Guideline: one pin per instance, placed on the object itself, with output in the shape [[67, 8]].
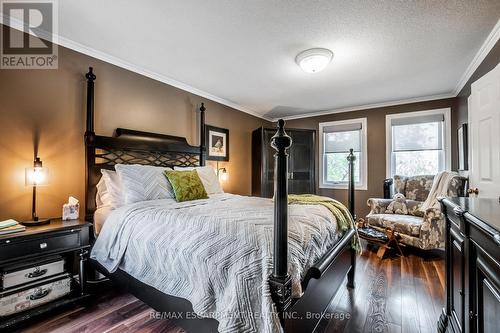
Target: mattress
[[217, 253], [100, 216]]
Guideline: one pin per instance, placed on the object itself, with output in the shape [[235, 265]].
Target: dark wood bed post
[[350, 199], [350, 187], [202, 135], [89, 141], [280, 282]]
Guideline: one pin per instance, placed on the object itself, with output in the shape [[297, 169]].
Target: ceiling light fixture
[[314, 60]]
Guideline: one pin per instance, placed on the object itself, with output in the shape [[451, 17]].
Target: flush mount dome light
[[314, 60]]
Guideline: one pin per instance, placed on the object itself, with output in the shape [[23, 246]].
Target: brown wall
[[489, 62], [376, 145], [50, 105]]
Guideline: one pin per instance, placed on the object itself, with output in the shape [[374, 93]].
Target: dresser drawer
[[455, 216], [50, 243]]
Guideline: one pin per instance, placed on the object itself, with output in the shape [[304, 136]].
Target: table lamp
[[36, 176]]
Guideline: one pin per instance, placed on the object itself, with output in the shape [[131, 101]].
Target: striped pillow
[[143, 182]]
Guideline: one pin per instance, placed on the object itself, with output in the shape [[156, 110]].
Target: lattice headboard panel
[[109, 157]]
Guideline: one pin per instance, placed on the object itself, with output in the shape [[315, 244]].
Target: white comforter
[[216, 253]]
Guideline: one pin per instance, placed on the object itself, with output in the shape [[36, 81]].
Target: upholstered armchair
[[424, 230]]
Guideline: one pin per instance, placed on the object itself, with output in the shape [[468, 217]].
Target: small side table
[[69, 239]]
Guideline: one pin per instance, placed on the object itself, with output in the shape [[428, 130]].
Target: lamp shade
[[223, 175], [37, 175]]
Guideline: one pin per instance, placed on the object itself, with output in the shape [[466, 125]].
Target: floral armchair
[[420, 229]]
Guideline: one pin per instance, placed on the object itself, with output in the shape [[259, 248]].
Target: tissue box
[[71, 210]]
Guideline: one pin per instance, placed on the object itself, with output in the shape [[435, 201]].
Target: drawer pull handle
[[43, 245], [497, 239], [36, 273], [458, 211], [39, 293]]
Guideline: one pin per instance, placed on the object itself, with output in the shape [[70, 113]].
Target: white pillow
[[101, 187], [109, 190], [208, 177], [143, 182]]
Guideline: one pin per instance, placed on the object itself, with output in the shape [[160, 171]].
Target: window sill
[[343, 187]]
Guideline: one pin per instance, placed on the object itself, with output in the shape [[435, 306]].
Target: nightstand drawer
[[53, 242]]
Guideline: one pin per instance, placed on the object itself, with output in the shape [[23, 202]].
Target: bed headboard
[[132, 147]]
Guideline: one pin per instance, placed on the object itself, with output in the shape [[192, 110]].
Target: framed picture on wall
[[217, 141], [462, 148]]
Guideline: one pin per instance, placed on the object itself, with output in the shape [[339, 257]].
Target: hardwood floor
[[398, 294], [111, 312]]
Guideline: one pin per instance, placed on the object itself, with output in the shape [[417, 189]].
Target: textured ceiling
[[243, 51]]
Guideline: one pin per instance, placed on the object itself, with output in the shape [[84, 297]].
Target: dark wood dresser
[[301, 166], [472, 265]]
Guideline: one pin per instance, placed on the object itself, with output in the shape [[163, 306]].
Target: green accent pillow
[[187, 185]]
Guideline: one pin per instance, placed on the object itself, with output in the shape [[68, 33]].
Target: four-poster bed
[[319, 283]]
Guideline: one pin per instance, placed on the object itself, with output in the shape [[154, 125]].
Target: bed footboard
[[322, 283], [318, 270]]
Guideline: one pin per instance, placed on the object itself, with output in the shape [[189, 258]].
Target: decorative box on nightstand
[[41, 269]]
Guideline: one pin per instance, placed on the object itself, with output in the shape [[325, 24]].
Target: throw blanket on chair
[[439, 188], [344, 219]]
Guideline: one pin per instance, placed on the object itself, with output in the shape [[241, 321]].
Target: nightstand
[[64, 240]]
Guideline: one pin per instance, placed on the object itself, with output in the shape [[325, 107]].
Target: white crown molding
[[75, 46], [367, 106], [483, 51]]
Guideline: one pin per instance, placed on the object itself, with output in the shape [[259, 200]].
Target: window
[[417, 143], [336, 138]]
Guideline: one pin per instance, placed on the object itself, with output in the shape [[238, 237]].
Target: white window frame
[[446, 112], [363, 183]]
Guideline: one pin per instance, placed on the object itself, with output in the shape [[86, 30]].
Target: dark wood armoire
[[301, 166]]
